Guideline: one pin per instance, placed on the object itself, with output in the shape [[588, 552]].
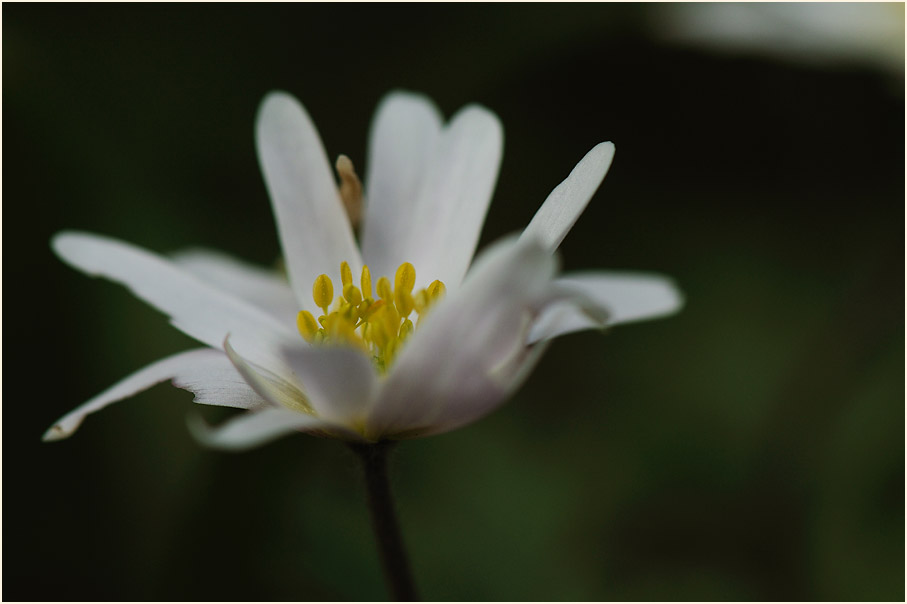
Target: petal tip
[[275, 109], [603, 154], [275, 98], [480, 117], [403, 95], [56, 432], [679, 301], [62, 243], [606, 148], [75, 248]]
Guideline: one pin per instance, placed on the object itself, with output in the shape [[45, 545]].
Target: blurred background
[[749, 448]]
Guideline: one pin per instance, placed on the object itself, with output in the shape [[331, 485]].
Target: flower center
[[378, 326]]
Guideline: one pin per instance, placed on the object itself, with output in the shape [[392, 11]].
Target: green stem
[[384, 521]]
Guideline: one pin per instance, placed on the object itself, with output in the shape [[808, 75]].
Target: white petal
[[215, 381], [314, 230], [566, 202], [626, 296], [196, 308], [453, 199], [338, 381], [254, 428], [459, 363], [277, 390], [267, 289], [200, 370], [403, 140]]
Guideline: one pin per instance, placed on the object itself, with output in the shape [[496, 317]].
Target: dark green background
[[749, 448]]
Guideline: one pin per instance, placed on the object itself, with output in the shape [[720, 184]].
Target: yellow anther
[[384, 289], [404, 302], [386, 322], [377, 326], [307, 325], [338, 328], [323, 292], [370, 309], [421, 300], [406, 329], [405, 278], [436, 290], [346, 275], [351, 294], [391, 318], [366, 282], [349, 312], [332, 324]]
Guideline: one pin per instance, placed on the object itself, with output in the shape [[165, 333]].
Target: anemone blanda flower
[[419, 338]]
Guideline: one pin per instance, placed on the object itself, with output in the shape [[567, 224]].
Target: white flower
[[869, 33], [369, 371]]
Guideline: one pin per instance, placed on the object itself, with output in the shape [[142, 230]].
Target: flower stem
[[384, 521]]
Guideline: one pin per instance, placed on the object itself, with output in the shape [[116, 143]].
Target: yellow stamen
[[405, 278], [323, 292], [406, 329], [352, 295], [421, 300], [436, 290], [404, 301], [372, 307], [384, 289], [391, 352], [307, 325], [346, 275], [366, 282], [380, 327]]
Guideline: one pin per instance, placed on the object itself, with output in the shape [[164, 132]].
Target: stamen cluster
[[378, 326]]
